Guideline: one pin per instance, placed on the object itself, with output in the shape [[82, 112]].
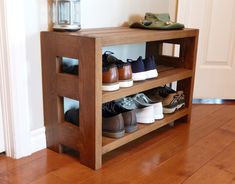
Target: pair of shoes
[[143, 69], [72, 116], [116, 73], [172, 100], [118, 117], [147, 110]]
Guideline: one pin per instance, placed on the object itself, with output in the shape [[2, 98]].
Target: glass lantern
[[66, 15]]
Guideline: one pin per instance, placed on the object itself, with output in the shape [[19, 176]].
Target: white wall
[[36, 20], [2, 144], [106, 13], [102, 13]]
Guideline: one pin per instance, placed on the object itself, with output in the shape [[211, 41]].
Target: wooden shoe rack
[[86, 46]]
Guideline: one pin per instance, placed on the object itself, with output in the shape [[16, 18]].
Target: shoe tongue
[[142, 97]]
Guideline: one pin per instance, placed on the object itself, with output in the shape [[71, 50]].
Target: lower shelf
[[109, 144]]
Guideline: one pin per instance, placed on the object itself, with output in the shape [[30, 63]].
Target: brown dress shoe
[[125, 75], [130, 123], [110, 78], [113, 126], [124, 69]]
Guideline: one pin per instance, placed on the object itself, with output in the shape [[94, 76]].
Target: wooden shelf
[[166, 75], [109, 144], [86, 45], [125, 35]]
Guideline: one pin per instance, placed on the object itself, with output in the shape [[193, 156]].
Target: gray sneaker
[[125, 104], [142, 100]]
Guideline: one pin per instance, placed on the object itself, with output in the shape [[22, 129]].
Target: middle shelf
[[166, 75]]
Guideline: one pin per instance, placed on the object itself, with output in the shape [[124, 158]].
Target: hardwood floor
[[196, 153]]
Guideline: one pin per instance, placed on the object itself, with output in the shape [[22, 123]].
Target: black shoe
[[72, 116], [70, 69]]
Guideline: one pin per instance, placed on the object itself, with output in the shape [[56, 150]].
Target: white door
[[2, 146], [215, 72]]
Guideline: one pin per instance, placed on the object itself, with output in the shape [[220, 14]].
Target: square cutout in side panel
[[67, 65], [71, 111], [169, 49]]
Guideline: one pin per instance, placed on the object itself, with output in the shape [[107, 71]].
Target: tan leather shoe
[[124, 69], [110, 78], [125, 75]]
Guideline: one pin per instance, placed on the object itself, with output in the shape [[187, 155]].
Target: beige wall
[[102, 13]]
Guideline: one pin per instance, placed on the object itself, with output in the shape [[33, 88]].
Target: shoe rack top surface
[[124, 35]]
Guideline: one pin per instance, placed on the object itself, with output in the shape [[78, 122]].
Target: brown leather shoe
[[110, 78], [130, 123], [125, 75], [124, 68], [113, 126]]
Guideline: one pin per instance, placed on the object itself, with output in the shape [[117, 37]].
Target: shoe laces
[[127, 102], [109, 107]]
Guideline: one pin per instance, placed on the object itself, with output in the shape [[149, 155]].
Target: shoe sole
[[172, 110], [139, 76], [151, 74], [130, 129], [158, 116], [126, 83], [110, 87], [115, 135]]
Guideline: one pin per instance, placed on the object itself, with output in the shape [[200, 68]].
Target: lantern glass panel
[[64, 12], [66, 15], [76, 13]]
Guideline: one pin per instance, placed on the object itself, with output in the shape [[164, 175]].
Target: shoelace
[[127, 102], [109, 107]]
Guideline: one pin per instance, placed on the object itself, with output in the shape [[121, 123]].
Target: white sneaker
[[145, 115], [158, 111]]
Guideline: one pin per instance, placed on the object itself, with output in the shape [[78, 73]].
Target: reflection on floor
[[200, 152]]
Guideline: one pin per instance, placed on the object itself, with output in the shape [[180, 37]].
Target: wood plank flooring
[[202, 152]]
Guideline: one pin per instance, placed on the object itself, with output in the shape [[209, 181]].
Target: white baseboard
[[38, 139]]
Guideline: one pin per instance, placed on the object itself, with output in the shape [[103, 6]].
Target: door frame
[[13, 79]]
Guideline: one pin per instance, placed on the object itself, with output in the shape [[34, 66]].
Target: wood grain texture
[[164, 77], [86, 46], [111, 144], [187, 153]]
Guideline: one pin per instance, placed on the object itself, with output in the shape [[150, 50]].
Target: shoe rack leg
[[90, 98], [49, 91], [187, 85]]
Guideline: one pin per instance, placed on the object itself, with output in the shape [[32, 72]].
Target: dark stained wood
[[90, 93], [189, 62], [86, 46], [86, 88], [49, 67], [67, 85]]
